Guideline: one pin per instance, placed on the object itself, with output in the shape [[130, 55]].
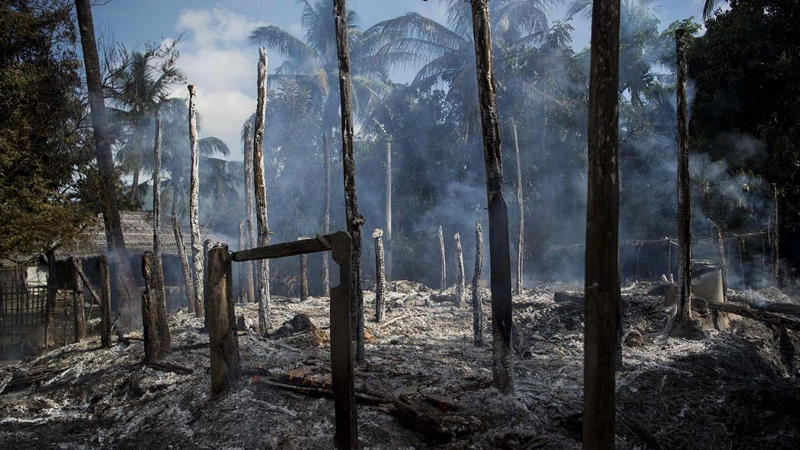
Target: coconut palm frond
[[212, 145], [283, 42]]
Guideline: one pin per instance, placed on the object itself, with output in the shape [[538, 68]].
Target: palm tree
[[445, 54], [709, 7], [313, 65], [139, 85]]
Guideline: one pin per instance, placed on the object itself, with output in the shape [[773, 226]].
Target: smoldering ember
[[479, 224]]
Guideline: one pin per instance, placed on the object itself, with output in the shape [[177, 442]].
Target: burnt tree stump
[[226, 364], [443, 280], [460, 281], [477, 314], [157, 340]]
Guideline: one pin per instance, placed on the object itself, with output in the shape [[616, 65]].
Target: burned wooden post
[[460, 281], [388, 240], [188, 286], [477, 314], [156, 188], [342, 361], [684, 307], [443, 264], [207, 244], [303, 273], [79, 322], [242, 294], [264, 320], [194, 217], [716, 232], [499, 251], [250, 208], [354, 219], [521, 204], [326, 268], [226, 364], [602, 231], [157, 340], [105, 303], [380, 276], [741, 260], [52, 292], [774, 233]]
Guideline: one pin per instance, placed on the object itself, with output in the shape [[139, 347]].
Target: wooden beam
[[301, 247]]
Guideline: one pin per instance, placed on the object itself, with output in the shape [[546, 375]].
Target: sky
[[216, 57]]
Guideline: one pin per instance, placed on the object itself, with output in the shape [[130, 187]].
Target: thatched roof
[[137, 229]]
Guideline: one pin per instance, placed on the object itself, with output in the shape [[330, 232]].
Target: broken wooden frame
[[342, 365]]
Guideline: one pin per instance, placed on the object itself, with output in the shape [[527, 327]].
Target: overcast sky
[[218, 60]]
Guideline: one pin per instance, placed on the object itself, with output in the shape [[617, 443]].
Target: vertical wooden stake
[[194, 219], [521, 204], [264, 320], [250, 208], [380, 276], [443, 277], [342, 364], [388, 240], [223, 342], [105, 303], [460, 281], [477, 314], [206, 248], [326, 268], [52, 292], [79, 322]]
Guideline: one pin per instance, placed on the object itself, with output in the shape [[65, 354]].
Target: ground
[[424, 384]]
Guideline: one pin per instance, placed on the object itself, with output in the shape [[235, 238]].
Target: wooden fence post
[[346, 436], [105, 304], [226, 365], [380, 276], [79, 322]]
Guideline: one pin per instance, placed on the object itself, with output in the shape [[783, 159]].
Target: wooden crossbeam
[[301, 247]]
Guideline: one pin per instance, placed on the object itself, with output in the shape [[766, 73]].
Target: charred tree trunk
[[79, 321], [460, 281], [206, 248], [716, 231], [134, 190], [264, 320], [194, 218], [326, 261], [388, 240], [250, 266], [499, 251], [684, 306], [105, 304], [124, 283], [243, 280], [741, 261], [156, 187], [187, 273], [443, 279], [380, 276], [477, 314], [354, 219], [774, 233], [520, 203], [602, 231], [303, 273], [226, 364], [157, 340], [52, 292]]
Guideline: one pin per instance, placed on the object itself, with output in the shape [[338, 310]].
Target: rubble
[[423, 383]]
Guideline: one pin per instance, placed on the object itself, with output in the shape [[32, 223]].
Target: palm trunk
[[194, 217], [521, 240], [124, 285], [326, 263], [477, 314], [499, 251], [683, 312], [354, 219], [188, 287], [602, 231], [156, 186], [388, 239], [460, 281], [243, 278], [264, 320], [443, 262], [249, 207]]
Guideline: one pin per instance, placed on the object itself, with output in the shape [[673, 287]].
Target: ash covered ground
[[423, 384]]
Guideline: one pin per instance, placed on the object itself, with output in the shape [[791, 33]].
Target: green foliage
[[41, 149]]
